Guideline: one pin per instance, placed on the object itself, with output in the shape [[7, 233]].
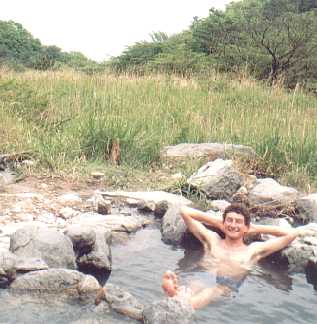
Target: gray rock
[[123, 302], [146, 196], [99, 259], [83, 238], [307, 209], [219, 205], [168, 311], [269, 192], [30, 264], [217, 179], [56, 281], [212, 151], [7, 266], [53, 247], [173, 227], [303, 249], [117, 223]]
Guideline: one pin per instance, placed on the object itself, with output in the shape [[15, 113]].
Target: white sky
[[103, 28]]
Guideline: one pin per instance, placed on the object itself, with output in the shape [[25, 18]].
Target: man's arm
[[194, 218], [202, 217], [285, 237]]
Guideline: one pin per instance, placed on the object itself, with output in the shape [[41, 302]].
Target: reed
[[70, 118]]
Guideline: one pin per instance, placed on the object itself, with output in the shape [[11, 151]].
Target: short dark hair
[[239, 209]]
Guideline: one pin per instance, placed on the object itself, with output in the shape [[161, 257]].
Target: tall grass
[[68, 117]]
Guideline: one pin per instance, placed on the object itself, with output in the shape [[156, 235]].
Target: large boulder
[[56, 281], [168, 311], [211, 151], [217, 179], [55, 248], [307, 209], [83, 238], [270, 193], [173, 227]]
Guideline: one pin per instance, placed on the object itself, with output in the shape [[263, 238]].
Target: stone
[[83, 238], [173, 227], [306, 209], [99, 258], [211, 151], [67, 213], [168, 311], [267, 191], [161, 208], [152, 196], [123, 302], [7, 266], [69, 199], [55, 248], [219, 205], [30, 264], [104, 206], [56, 281], [113, 222], [217, 179]]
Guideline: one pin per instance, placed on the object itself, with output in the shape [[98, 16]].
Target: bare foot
[[169, 283]]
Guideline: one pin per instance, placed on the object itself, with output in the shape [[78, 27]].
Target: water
[[269, 294]]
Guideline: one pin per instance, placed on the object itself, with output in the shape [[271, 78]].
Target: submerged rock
[[217, 179], [53, 247], [123, 302], [168, 311]]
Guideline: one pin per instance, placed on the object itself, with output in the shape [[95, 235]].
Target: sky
[[103, 28]]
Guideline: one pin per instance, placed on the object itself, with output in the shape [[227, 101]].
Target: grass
[[70, 120]]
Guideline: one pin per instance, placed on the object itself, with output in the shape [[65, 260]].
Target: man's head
[[236, 220]]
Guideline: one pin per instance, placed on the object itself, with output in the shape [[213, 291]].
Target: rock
[[211, 151], [67, 213], [168, 311], [306, 209], [53, 247], [57, 281], [123, 302], [152, 196], [311, 271], [219, 205], [117, 223], [298, 255], [103, 207], [147, 206], [217, 179], [160, 209], [269, 192], [83, 238], [99, 258], [69, 199], [97, 175], [173, 227], [30, 264], [7, 266]]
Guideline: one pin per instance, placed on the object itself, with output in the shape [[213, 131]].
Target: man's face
[[234, 225]]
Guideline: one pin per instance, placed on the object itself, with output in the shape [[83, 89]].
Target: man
[[228, 258]]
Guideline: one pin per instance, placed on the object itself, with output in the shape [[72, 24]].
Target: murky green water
[[268, 295]]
